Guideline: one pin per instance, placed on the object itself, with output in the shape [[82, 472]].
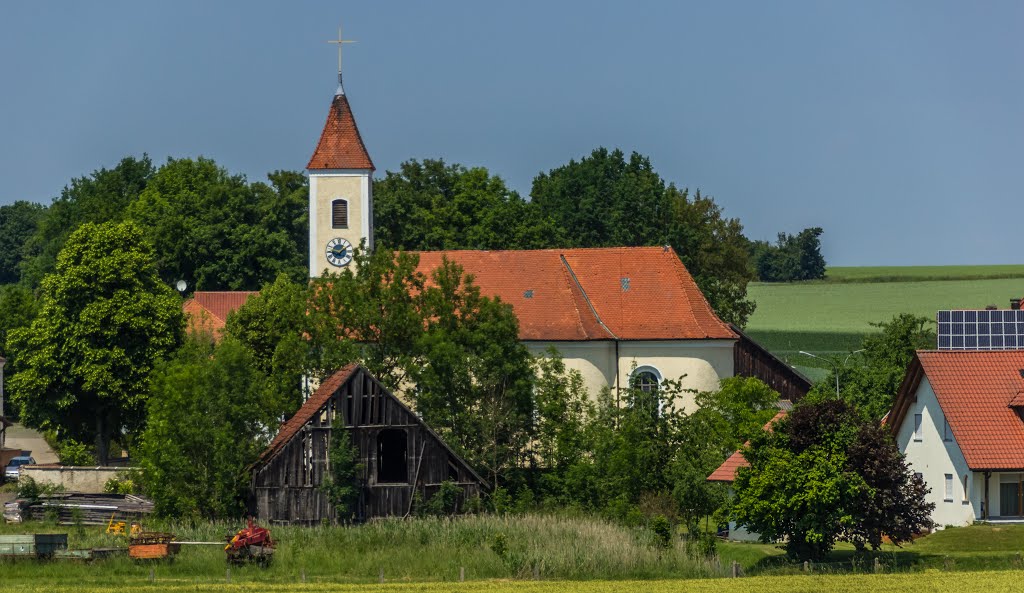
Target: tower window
[[339, 214]]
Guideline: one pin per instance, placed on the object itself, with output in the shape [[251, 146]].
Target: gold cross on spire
[[340, 41]]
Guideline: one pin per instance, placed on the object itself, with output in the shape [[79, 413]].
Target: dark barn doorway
[[392, 457]]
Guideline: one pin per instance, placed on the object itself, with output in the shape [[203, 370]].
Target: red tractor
[[252, 544]]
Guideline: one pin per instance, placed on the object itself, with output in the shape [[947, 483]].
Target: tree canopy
[[825, 474], [208, 420], [104, 320], [790, 258]]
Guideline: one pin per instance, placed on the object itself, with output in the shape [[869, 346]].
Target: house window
[[917, 427], [966, 484], [949, 487], [947, 432], [392, 457], [339, 214]]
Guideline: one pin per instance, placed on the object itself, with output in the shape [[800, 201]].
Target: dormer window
[[339, 214]]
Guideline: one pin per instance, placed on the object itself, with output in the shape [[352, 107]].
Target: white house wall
[[933, 458]]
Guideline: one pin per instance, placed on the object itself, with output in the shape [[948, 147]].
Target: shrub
[[71, 452]]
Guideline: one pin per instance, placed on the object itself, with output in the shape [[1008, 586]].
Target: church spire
[[340, 41]]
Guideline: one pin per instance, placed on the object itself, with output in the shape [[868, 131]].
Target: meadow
[[831, 317], [533, 552]]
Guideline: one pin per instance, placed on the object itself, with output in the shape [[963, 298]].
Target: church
[[619, 316]]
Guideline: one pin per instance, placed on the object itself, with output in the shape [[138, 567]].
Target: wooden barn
[[399, 453]]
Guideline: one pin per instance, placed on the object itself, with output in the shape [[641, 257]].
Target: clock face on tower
[[339, 252]]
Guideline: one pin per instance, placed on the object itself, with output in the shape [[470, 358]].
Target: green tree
[[103, 196], [605, 200], [208, 420], [870, 381], [455, 353], [818, 478], [792, 258], [18, 223], [429, 205], [723, 421], [105, 318], [271, 324], [563, 409], [219, 232], [342, 482]]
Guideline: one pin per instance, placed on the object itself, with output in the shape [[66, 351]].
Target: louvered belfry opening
[[339, 214]]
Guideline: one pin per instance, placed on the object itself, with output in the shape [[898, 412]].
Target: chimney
[[1015, 304]]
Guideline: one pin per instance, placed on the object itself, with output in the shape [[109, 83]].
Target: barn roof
[[625, 293], [312, 406], [980, 393]]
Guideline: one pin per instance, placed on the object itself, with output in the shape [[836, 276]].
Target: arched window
[[392, 457], [339, 214], [646, 379]]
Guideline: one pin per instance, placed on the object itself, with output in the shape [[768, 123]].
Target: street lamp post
[[835, 366]]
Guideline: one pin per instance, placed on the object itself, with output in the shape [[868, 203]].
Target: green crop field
[[988, 581], [921, 273], [832, 317]]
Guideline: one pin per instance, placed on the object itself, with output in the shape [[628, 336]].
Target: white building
[[958, 419]]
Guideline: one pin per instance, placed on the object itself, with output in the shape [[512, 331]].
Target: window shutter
[[339, 214]]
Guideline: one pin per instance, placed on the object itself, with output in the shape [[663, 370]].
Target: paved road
[[19, 437]]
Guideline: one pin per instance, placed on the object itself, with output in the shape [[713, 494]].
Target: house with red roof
[[207, 311], [959, 419], [726, 474]]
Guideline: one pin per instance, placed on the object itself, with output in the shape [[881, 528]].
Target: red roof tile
[[975, 390], [209, 310], [309, 409], [340, 146], [727, 471], [629, 293]]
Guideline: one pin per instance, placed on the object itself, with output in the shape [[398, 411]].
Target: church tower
[[340, 190]]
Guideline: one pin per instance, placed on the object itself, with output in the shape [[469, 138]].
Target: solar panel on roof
[[1001, 329]]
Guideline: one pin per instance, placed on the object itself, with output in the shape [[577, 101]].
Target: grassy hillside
[[831, 317]]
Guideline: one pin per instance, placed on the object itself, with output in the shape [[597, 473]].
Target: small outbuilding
[[399, 453]]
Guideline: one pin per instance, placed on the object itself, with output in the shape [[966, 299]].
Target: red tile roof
[[629, 293], [727, 471], [308, 409], [208, 310], [340, 146], [975, 390]]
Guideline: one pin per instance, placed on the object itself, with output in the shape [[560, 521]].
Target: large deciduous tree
[[825, 474], [217, 231], [208, 419], [103, 196], [605, 200], [18, 223], [429, 205], [105, 318], [791, 258]]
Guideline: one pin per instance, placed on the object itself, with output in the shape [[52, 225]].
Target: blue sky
[[896, 126]]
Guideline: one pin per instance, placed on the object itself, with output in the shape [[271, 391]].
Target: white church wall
[[325, 186], [700, 363]]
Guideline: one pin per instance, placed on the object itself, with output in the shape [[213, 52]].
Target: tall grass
[[429, 549]]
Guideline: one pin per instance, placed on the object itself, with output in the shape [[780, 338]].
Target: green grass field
[[572, 555], [831, 318], [990, 582]]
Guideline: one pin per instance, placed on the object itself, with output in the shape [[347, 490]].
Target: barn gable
[[399, 453]]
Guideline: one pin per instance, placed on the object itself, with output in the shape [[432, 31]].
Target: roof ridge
[[586, 298]]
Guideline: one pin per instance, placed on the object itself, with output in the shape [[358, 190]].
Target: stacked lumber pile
[[85, 509]]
